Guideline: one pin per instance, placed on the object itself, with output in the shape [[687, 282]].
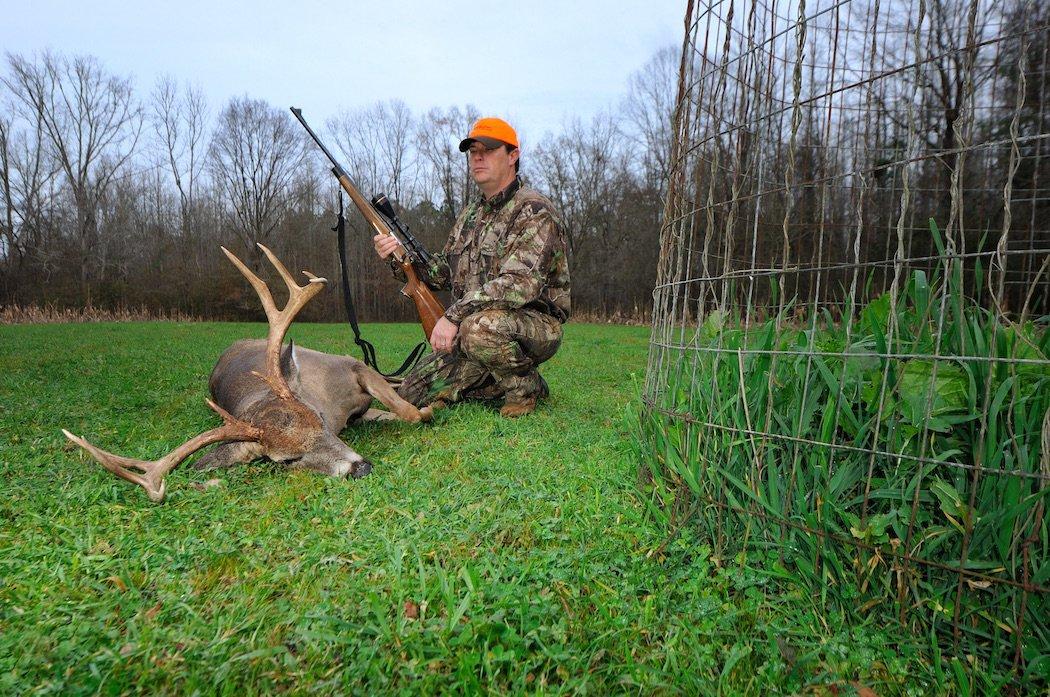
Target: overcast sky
[[537, 63]]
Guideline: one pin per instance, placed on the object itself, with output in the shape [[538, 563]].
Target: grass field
[[480, 556]]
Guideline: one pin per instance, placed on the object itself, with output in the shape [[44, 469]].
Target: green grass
[[480, 556]]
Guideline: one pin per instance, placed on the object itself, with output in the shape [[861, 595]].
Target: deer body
[[284, 403], [336, 389]]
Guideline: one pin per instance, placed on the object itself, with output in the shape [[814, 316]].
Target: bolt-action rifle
[[380, 214]]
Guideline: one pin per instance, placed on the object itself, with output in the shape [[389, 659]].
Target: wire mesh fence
[[848, 371]]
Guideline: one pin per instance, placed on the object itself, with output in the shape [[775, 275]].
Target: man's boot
[[544, 390], [513, 410]]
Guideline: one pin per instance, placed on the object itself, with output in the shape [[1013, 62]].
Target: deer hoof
[[360, 469]]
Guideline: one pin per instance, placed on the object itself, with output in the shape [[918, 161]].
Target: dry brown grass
[[635, 317], [49, 314]]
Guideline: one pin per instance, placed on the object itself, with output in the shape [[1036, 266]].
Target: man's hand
[[385, 245], [444, 335]]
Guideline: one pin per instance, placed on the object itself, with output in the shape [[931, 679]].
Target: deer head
[[285, 429]]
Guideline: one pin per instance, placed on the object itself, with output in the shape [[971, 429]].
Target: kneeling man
[[505, 263]]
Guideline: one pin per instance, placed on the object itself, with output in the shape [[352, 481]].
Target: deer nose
[[360, 469]]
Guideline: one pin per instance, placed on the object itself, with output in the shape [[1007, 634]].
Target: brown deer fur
[[284, 403]]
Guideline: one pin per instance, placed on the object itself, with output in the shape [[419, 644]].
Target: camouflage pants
[[495, 355]]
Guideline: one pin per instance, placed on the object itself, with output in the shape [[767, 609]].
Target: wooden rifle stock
[[427, 305]]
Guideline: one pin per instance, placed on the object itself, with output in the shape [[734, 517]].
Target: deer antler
[[279, 320], [153, 472], [150, 474]]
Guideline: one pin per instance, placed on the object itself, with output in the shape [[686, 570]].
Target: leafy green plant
[[892, 459]]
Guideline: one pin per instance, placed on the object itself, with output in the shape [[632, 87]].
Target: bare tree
[[377, 142], [606, 212], [179, 120], [648, 111], [26, 189], [255, 158], [7, 224], [581, 170], [443, 167], [91, 122]]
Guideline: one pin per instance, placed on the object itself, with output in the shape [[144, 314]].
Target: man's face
[[493, 168]]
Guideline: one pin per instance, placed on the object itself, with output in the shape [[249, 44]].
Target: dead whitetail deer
[[288, 405]]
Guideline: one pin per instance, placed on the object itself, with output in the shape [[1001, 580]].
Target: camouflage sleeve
[[523, 270], [438, 275]]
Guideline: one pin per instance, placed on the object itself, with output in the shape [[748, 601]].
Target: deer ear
[[290, 362]]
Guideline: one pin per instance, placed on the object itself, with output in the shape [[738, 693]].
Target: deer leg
[[376, 415], [228, 455], [376, 385]]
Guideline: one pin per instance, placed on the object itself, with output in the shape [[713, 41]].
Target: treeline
[[111, 198]]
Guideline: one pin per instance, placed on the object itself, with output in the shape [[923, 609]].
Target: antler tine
[[289, 280], [261, 289], [279, 320], [153, 471], [298, 296]]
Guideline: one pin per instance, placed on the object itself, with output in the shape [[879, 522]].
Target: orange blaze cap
[[491, 132]]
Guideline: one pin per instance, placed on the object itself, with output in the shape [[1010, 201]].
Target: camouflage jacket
[[504, 254]]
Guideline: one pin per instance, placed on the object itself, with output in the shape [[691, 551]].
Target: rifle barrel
[[336, 168], [429, 307]]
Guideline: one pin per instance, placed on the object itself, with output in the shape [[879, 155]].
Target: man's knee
[[512, 339], [487, 336]]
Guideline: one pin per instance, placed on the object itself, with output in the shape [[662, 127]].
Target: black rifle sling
[[367, 349]]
